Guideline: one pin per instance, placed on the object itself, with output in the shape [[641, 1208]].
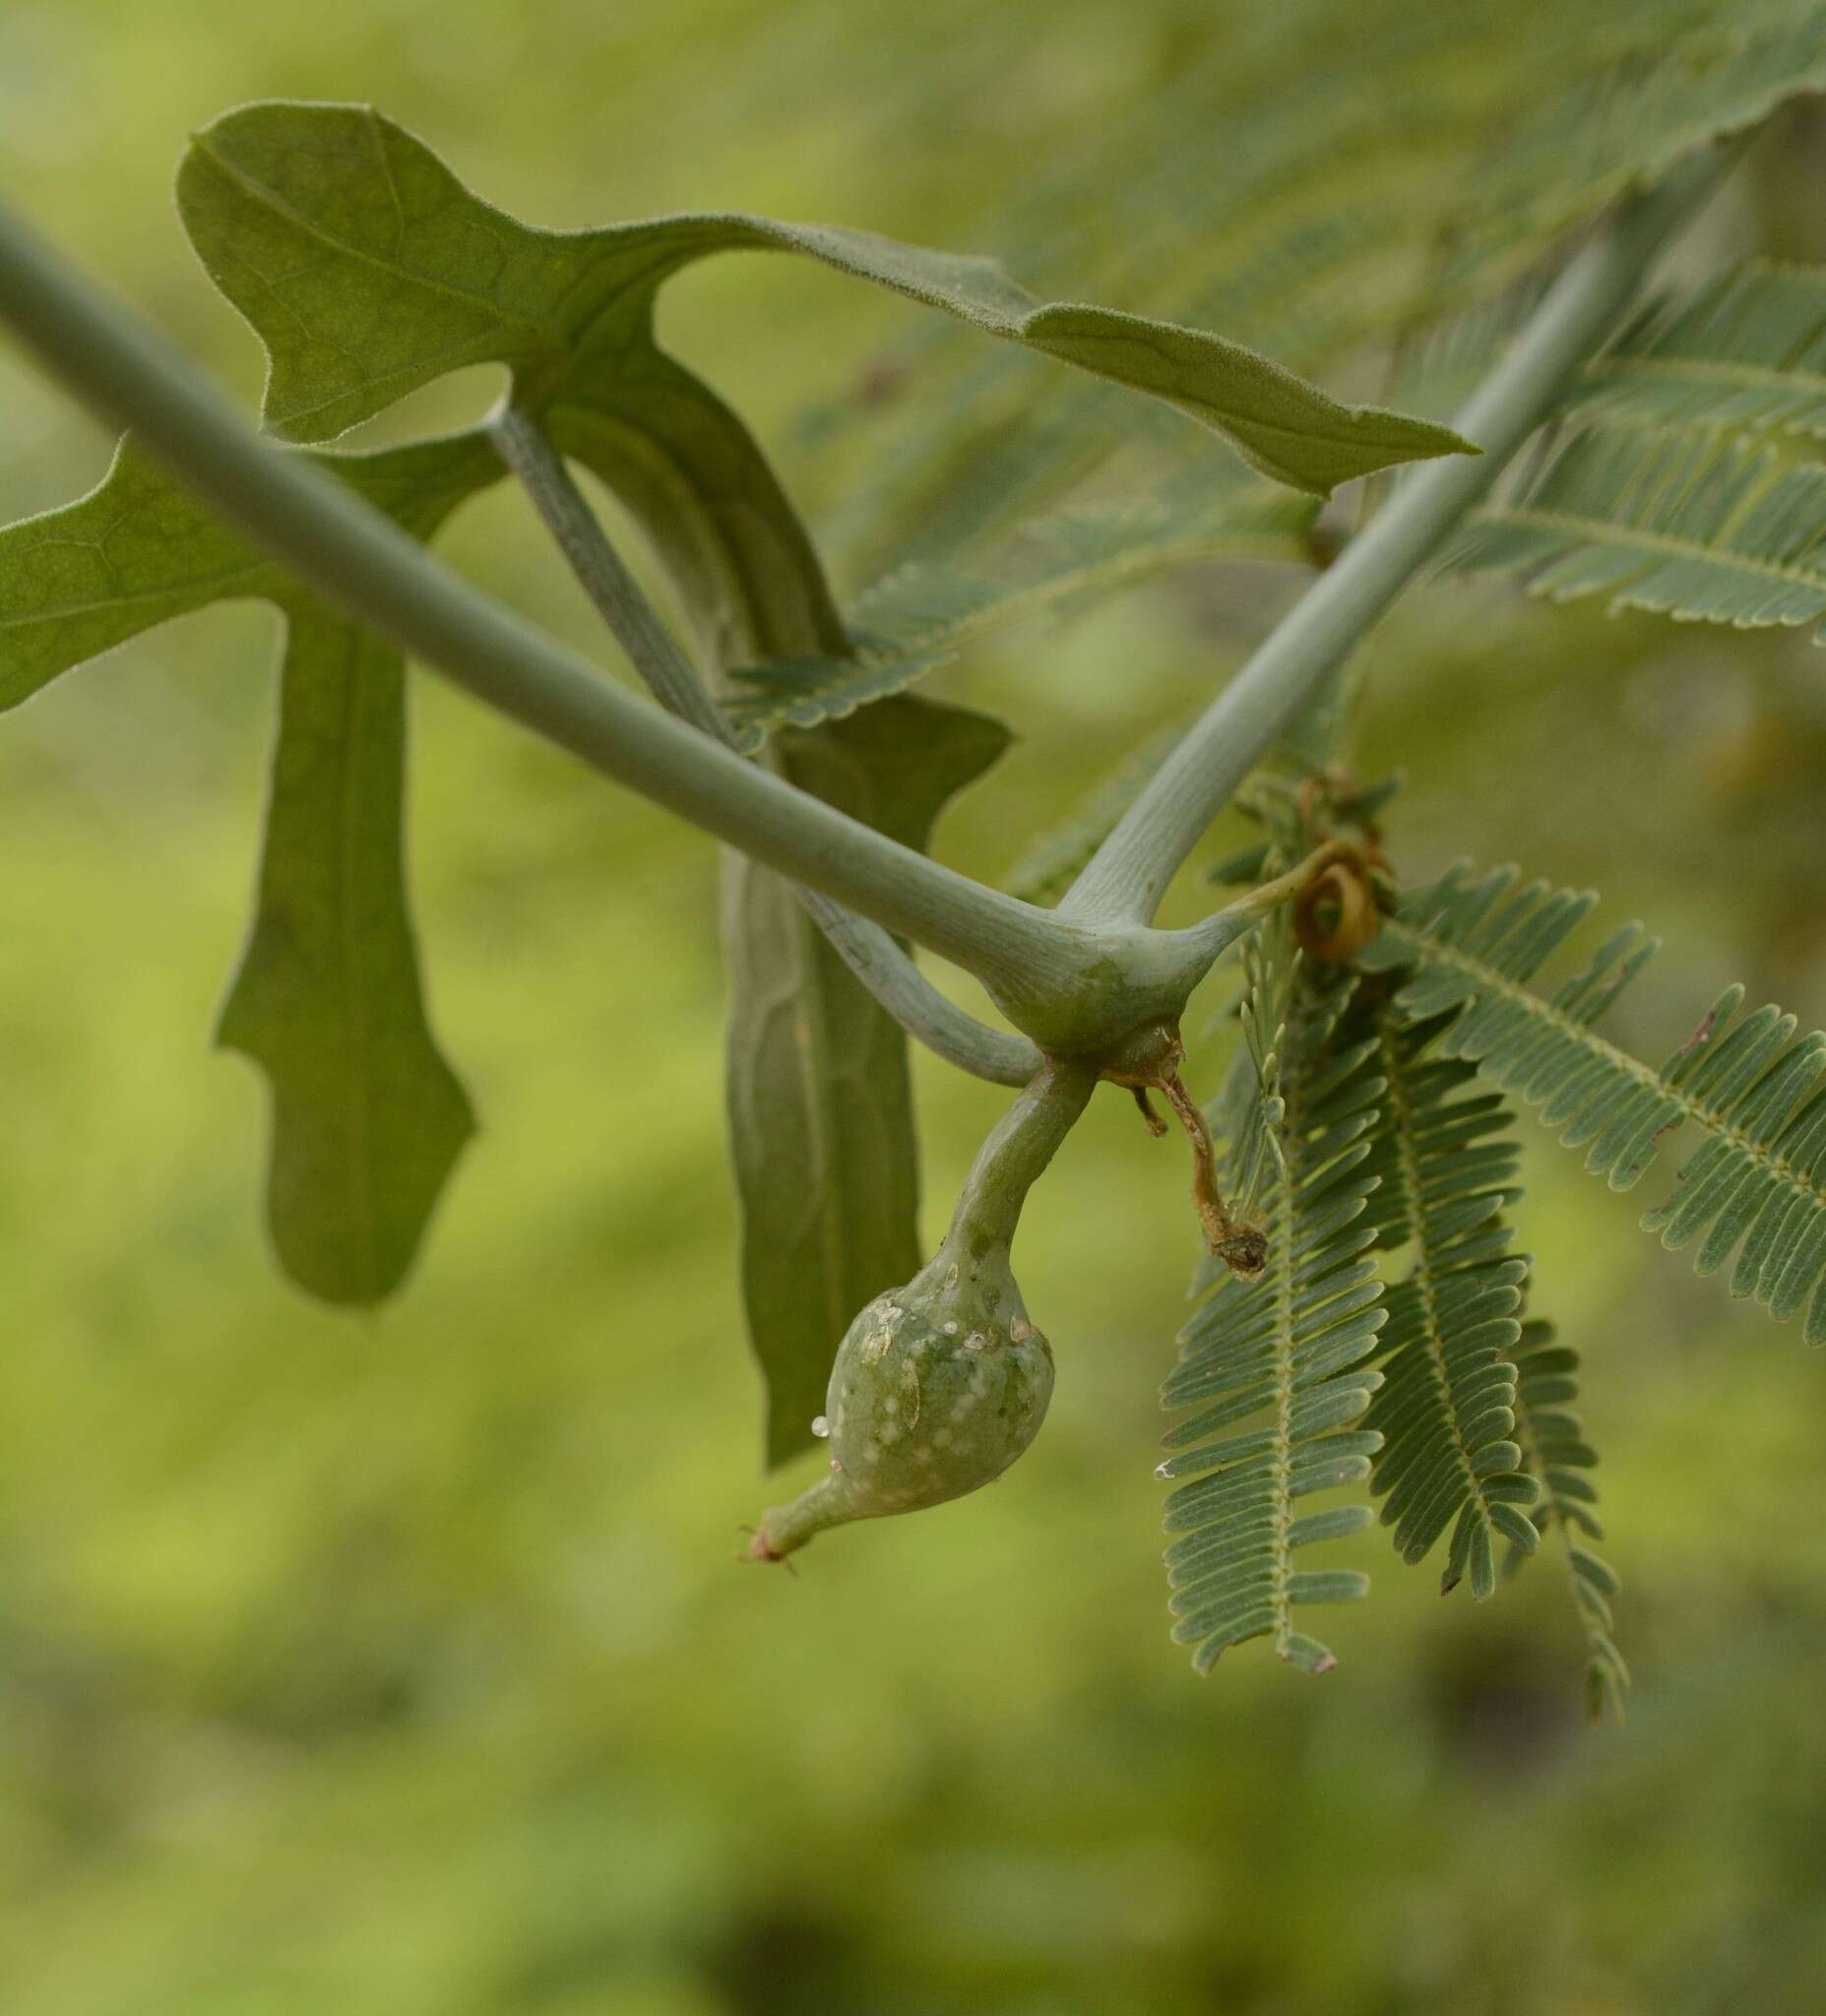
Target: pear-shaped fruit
[[938, 1386]]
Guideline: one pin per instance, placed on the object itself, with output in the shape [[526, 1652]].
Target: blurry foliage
[[400, 1668]]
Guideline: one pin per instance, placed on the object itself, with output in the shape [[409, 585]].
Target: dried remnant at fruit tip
[[938, 1387]]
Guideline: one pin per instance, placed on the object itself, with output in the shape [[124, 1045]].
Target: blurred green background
[[402, 1666]]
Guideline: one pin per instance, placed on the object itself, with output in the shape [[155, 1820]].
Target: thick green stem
[[888, 973], [1013, 1157], [1129, 873], [361, 563]]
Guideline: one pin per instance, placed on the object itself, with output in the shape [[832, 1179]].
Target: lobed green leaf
[[370, 269], [368, 1119]]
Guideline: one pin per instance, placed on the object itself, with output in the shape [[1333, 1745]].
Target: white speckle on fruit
[[820, 1426]]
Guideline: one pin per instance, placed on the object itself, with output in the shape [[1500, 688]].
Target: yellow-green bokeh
[[400, 1666]]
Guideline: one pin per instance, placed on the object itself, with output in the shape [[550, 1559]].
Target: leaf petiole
[[870, 953]]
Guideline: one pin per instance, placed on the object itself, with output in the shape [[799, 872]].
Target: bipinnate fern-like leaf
[[919, 616], [1696, 524], [1273, 1369], [1250, 1110], [1459, 146], [1744, 353], [1670, 494], [1447, 1165], [1755, 1188], [1554, 1450]]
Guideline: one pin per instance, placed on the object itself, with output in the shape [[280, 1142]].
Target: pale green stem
[[869, 951], [945, 1029], [1014, 1156], [1129, 873], [619, 600]]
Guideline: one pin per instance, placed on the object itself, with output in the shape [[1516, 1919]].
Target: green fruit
[[938, 1388]]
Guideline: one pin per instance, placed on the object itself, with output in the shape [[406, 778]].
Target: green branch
[[1073, 981], [1129, 873]]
